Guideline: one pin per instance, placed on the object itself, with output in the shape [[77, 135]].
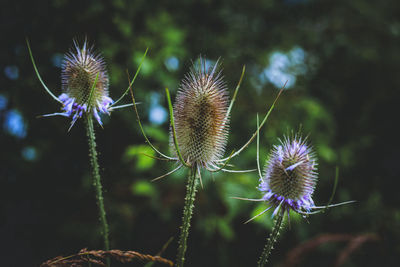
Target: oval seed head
[[80, 69], [290, 175], [200, 113]]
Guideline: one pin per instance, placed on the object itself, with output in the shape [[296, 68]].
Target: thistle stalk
[[271, 239], [288, 183], [191, 189], [85, 85], [96, 180]]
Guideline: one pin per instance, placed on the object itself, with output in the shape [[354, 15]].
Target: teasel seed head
[[200, 113], [290, 175], [81, 69]]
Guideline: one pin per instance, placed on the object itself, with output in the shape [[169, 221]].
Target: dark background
[[341, 58]]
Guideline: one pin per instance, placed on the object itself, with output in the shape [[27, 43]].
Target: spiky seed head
[[200, 113], [290, 175], [80, 68]]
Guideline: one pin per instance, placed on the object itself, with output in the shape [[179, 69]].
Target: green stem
[[187, 215], [96, 180], [272, 239]]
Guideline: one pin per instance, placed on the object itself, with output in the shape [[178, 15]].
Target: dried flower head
[[84, 84], [290, 175], [201, 115]]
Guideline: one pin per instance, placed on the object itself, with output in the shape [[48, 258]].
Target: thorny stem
[[272, 239], [187, 215], [96, 181]]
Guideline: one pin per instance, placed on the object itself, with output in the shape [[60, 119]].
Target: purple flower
[[290, 176], [84, 85]]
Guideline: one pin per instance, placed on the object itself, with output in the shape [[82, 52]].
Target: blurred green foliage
[[344, 98], [142, 154]]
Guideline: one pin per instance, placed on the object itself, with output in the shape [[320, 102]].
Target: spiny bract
[[80, 68], [200, 113], [290, 175]]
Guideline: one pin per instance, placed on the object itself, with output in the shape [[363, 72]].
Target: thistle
[[201, 117], [288, 183], [84, 84], [198, 132], [290, 176], [85, 94]]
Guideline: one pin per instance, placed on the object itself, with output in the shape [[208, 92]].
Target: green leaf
[[142, 154]]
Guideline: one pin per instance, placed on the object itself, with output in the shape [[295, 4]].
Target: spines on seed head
[[80, 68], [84, 84], [291, 175], [200, 113]]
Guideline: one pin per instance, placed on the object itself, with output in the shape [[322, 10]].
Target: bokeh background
[[341, 59]]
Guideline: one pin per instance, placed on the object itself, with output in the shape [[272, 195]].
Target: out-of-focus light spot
[[154, 99], [11, 72], [208, 63], [172, 63], [158, 115], [29, 153], [3, 102], [297, 58], [279, 78], [285, 67], [57, 60], [14, 124]]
